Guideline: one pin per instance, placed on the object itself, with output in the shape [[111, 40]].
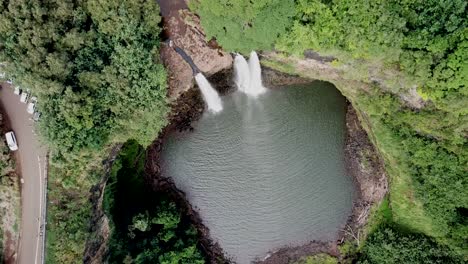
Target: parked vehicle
[[36, 116], [9, 81], [24, 97], [11, 141], [17, 90], [32, 105]]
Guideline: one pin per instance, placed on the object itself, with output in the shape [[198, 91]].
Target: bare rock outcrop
[[184, 29], [367, 169]]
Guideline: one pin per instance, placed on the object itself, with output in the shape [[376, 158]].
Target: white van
[[32, 105], [24, 97], [17, 90], [11, 141]]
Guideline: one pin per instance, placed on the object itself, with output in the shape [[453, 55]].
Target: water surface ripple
[[266, 172]]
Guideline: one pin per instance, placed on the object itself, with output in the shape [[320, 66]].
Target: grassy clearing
[[380, 214], [318, 259], [407, 210]]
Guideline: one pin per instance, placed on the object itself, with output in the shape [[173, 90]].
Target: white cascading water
[[256, 86], [210, 95], [248, 76], [242, 73]]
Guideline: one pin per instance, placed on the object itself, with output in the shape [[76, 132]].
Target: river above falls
[[266, 172]]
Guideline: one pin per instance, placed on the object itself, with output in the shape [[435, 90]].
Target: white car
[[11, 141], [17, 90], [24, 97], [32, 105], [36, 116], [9, 81]]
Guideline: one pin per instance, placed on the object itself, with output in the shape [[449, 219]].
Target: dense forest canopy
[[92, 65], [425, 39], [245, 25], [388, 246]]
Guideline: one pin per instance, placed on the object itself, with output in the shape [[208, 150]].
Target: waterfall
[[256, 86], [210, 95], [248, 77], [242, 73]]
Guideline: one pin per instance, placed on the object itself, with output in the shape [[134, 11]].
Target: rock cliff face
[[96, 244], [184, 29]]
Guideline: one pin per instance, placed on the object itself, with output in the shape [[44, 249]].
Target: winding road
[[32, 161]]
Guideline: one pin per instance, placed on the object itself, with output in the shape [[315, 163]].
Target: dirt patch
[[363, 162], [310, 54], [273, 78], [366, 166], [10, 248]]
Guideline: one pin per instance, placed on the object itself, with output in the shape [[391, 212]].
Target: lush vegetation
[[243, 25], [427, 170], [9, 197], [407, 52], [318, 259], [68, 215], [94, 66], [148, 227], [427, 40], [386, 246]]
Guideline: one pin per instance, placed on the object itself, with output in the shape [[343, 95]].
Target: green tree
[[244, 25], [94, 66], [388, 246], [148, 227]]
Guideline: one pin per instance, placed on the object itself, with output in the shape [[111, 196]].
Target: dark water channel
[[267, 172]]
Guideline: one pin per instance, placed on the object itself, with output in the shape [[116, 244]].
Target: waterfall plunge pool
[[266, 172]]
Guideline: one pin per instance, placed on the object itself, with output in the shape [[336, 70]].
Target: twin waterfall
[[248, 79]]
